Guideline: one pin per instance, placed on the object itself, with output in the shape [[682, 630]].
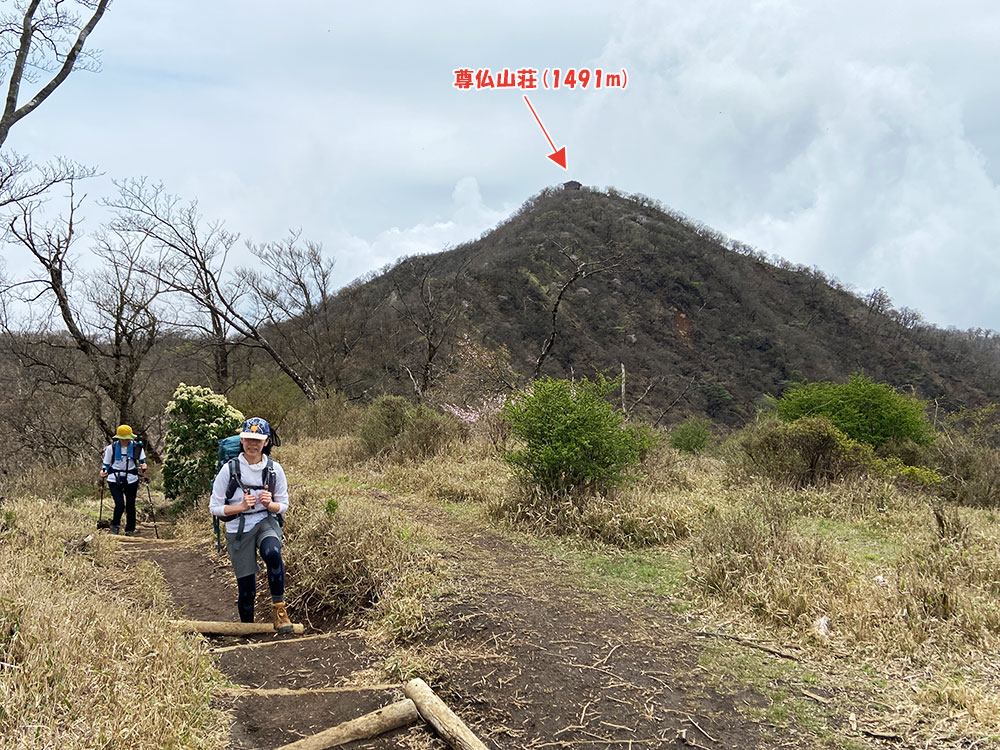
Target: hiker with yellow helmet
[[250, 493], [124, 463]]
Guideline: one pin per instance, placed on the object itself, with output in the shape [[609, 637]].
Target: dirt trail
[[526, 659], [202, 587]]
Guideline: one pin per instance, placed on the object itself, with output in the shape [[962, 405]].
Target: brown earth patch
[[526, 659]]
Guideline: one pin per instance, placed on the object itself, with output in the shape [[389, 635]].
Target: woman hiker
[[249, 492], [124, 463]]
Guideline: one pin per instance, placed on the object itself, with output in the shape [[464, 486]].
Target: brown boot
[[281, 622]]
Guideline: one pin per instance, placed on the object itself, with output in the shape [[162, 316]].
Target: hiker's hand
[[265, 498], [249, 500], [104, 474]]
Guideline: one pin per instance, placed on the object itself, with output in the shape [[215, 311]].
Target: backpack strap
[[268, 481], [116, 455]]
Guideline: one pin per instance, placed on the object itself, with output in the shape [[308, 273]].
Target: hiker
[[124, 463], [250, 500]]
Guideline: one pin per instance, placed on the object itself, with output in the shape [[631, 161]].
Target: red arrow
[[559, 157]]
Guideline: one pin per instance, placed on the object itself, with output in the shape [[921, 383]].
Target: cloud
[[774, 123], [469, 217], [855, 136]]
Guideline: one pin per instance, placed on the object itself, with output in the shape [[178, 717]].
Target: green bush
[[393, 427], [813, 451], [806, 452], [383, 423], [691, 435], [573, 439], [198, 419], [869, 412], [427, 433]]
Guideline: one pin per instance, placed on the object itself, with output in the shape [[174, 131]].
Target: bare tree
[[192, 256], [43, 36], [431, 305], [580, 270], [115, 330], [21, 180], [354, 313], [292, 292]]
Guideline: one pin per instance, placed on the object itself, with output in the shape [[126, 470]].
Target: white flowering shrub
[[198, 418]]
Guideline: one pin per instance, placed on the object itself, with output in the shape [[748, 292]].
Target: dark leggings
[[270, 553], [124, 501]]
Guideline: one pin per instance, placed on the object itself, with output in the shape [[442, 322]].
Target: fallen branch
[[570, 743], [451, 728], [258, 644], [815, 697], [208, 627], [700, 729], [751, 644], [880, 735], [241, 691], [386, 719], [682, 737]]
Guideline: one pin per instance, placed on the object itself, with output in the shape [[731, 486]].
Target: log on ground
[[451, 728], [383, 720], [209, 627]]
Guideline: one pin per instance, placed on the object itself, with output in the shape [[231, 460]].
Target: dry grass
[[85, 648], [876, 588], [860, 575], [747, 554], [662, 506], [353, 557], [320, 459], [463, 474]]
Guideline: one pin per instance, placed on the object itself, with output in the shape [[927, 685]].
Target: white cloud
[[469, 217], [780, 126], [856, 136]]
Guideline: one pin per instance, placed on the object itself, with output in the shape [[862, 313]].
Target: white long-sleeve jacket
[[250, 475], [125, 469]]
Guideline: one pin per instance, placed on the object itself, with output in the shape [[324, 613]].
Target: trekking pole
[[152, 514], [100, 515]]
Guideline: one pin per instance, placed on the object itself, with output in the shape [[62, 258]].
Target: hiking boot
[[281, 622], [115, 529], [129, 533]]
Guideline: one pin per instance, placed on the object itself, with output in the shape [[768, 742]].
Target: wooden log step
[[209, 627], [237, 692], [383, 720], [450, 728], [261, 644]]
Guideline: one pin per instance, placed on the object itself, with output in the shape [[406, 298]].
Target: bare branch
[[581, 270], [50, 25]]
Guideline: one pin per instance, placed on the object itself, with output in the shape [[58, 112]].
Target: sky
[[859, 136]]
